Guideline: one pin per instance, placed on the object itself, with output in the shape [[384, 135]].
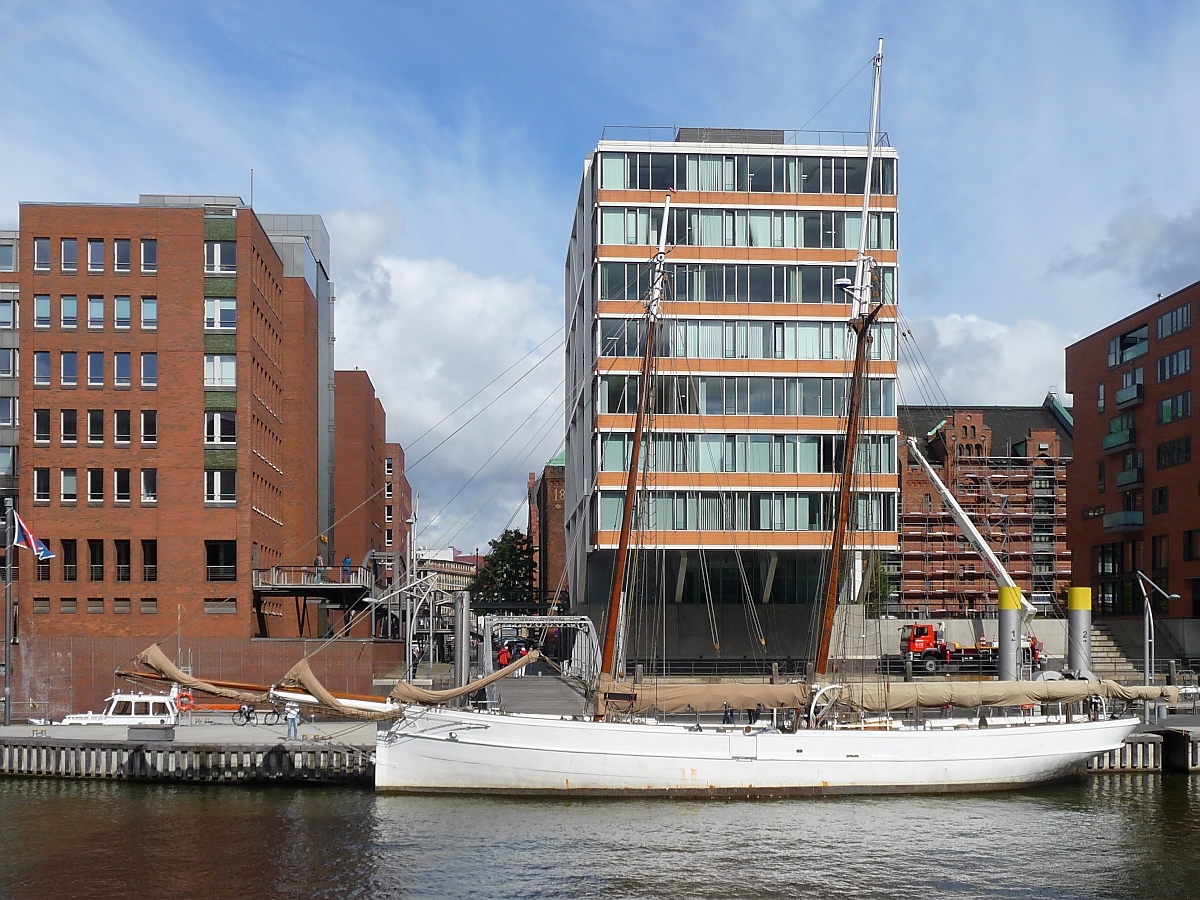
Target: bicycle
[[248, 715]]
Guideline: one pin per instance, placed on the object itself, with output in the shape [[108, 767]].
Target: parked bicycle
[[248, 715]]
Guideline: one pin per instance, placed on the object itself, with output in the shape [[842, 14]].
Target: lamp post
[[1144, 581]]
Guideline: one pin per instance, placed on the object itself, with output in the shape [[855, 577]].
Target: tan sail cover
[[673, 697], [974, 694], [301, 674], [408, 693], [152, 657]]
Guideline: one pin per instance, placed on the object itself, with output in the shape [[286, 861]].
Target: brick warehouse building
[[1006, 466], [170, 448], [1133, 484], [548, 535]]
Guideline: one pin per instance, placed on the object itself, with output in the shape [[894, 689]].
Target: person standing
[[346, 569], [291, 714], [319, 567], [503, 658]]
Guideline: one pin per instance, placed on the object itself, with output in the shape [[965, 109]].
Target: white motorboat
[[130, 709]]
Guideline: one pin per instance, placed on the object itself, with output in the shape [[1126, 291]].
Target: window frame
[[151, 267], [96, 267]]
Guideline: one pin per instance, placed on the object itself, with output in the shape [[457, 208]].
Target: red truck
[[925, 644]]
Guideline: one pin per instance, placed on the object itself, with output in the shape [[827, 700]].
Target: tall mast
[[616, 598], [862, 317]]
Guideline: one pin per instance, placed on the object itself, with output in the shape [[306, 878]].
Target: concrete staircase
[[1108, 659]]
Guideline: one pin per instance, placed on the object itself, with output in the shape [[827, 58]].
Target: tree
[[507, 573]]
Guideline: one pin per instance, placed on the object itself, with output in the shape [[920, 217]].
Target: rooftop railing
[[748, 137]]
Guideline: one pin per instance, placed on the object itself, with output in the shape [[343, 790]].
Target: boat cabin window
[[141, 708], [123, 708], [160, 709]]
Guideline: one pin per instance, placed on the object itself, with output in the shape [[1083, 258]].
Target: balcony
[[1119, 440], [1125, 520], [1130, 478], [1130, 396]]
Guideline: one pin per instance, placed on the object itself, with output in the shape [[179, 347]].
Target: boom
[[964, 522]]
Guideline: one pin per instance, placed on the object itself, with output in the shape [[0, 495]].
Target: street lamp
[[1145, 581]]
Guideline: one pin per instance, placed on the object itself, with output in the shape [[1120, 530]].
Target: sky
[[1047, 184]]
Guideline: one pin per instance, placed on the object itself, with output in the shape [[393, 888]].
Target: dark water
[[1109, 836]]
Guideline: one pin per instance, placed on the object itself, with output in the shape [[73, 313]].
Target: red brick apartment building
[[371, 471], [171, 442], [1006, 466], [548, 535], [1134, 482]]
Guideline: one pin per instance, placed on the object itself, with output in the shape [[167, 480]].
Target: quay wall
[[57, 675]]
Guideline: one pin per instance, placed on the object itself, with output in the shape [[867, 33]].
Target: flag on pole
[[25, 538]]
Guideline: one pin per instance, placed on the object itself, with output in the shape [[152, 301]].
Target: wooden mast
[[616, 597], [860, 323]]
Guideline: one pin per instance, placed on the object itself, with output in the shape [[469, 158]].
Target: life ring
[[184, 701]]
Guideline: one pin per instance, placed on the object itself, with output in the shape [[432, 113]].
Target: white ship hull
[[448, 750]]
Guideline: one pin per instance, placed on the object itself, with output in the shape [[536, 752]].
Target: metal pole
[[8, 555], [1147, 635], [1079, 629]]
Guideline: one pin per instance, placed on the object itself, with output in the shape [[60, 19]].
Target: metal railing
[[70, 572], [669, 133], [97, 572], [222, 573], [150, 572], [297, 576]]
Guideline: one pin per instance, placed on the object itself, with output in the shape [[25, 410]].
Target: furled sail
[[408, 693], [153, 657], [675, 697]]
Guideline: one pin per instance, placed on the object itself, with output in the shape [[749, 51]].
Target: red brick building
[[1006, 466], [547, 534], [1133, 484], [170, 440]]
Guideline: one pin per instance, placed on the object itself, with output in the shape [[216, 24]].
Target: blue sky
[[1047, 180]]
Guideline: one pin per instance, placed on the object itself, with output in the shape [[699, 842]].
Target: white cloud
[[977, 361], [431, 334]]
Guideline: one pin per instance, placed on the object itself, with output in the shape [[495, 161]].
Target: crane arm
[[964, 522]]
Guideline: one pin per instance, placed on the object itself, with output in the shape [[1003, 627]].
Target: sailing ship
[[823, 737]]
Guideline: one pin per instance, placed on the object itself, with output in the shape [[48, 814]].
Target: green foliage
[[507, 572]]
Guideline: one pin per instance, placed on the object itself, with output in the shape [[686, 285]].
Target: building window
[[41, 426], [70, 486], [1191, 545], [149, 485], [220, 485], [1160, 553], [70, 310], [95, 426], [8, 309], [121, 370], [1175, 453], [41, 368], [70, 369], [1175, 364], [95, 606], [149, 256], [121, 433], [70, 560], [220, 428], [41, 254], [67, 606], [68, 426], [222, 560], [387, 513], [387, 537], [121, 606], [8, 363], [41, 310], [96, 560], [148, 605], [43, 568], [95, 255], [41, 605], [225, 605], [96, 313], [1129, 346], [149, 370], [95, 370], [70, 255], [121, 549], [8, 411], [220, 257], [8, 256], [149, 314], [1176, 320], [220, 313], [149, 560], [121, 261], [122, 313], [8, 461], [1100, 477], [1173, 408], [149, 427], [1158, 501], [220, 371], [121, 485], [41, 485], [1093, 512], [387, 491], [95, 485]]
